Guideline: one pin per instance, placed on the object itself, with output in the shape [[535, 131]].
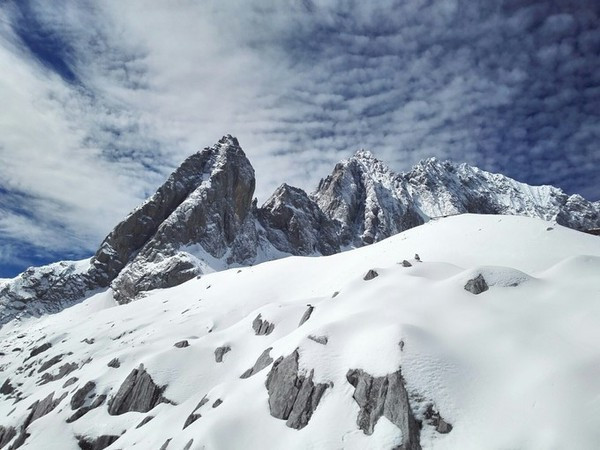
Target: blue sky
[[101, 100]]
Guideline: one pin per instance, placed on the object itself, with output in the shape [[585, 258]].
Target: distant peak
[[228, 139], [364, 155]]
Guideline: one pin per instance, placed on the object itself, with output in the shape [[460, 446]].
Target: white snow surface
[[515, 367]]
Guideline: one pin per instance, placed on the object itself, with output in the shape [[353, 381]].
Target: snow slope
[[515, 367]]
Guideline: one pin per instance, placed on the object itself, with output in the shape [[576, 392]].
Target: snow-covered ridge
[[207, 205], [514, 366]]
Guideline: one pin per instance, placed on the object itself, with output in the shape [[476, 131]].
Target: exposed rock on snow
[[182, 344], [144, 421], [99, 443], [306, 315], [7, 388], [81, 394], [220, 353], [137, 393], [63, 371], [292, 397], [6, 435], [262, 327], [476, 285], [319, 339], [384, 396], [434, 418], [370, 275], [263, 361], [70, 382], [114, 363], [42, 348], [38, 409], [405, 263], [83, 410], [50, 362], [195, 415]]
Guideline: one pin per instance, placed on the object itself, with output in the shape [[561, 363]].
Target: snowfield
[[514, 367]]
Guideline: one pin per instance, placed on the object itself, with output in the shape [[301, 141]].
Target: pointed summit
[[202, 205]]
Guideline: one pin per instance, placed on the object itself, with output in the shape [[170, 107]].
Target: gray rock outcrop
[[81, 394], [220, 352], [435, 419], [204, 203], [292, 397], [263, 361], [323, 340], [38, 409], [195, 415], [384, 396], [7, 388], [295, 224], [114, 363], [6, 435], [99, 443], [476, 285], [306, 315], [262, 327], [83, 410], [40, 349], [63, 371], [137, 393], [370, 275]]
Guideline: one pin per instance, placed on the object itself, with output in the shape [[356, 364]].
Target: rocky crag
[[204, 216]]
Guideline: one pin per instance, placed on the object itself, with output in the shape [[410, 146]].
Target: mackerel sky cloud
[[101, 100]]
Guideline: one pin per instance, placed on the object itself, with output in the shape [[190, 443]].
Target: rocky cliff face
[[366, 200], [218, 184], [204, 218]]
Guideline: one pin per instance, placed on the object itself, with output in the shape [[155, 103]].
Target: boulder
[[476, 285], [384, 396], [220, 352], [114, 363], [137, 393], [81, 394], [292, 397], [99, 443], [370, 275], [262, 327], [306, 315]]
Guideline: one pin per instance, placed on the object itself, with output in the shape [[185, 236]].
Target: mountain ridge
[[204, 218]]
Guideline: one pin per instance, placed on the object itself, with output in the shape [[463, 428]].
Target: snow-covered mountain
[[203, 218], [486, 340]]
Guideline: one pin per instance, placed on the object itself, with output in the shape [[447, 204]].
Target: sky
[[100, 101]]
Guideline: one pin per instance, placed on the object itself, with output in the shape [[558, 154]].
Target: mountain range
[[204, 218], [442, 308]]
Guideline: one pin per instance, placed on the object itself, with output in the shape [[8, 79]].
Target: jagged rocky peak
[[441, 188], [366, 198], [203, 217], [198, 212], [294, 223]]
